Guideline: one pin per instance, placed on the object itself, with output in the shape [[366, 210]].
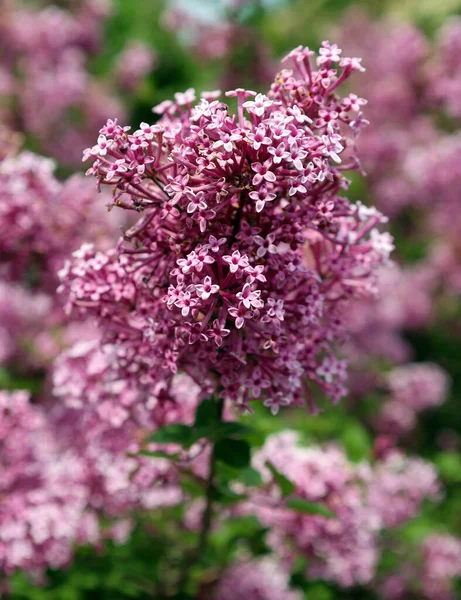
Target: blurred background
[[68, 66]]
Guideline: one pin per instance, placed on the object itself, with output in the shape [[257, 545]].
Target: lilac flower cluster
[[38, 218], [106, 419], [245, 257], [364, 499], [398, 487], [403, 303], [410, 158], [45, 74], [262, 579], [41, 221], [413, 388], [431, 573], [22, 315], [42, 513]]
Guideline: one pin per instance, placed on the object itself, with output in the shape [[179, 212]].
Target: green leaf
[[285, 485], [230, 430], [154, 454], [208, 414], [357, 441], [225, 494], [208, 423], [235, 453], [308, 508], [250, 477], [174, 434]]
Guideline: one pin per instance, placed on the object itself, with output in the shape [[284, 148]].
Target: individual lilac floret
[[245, 257]]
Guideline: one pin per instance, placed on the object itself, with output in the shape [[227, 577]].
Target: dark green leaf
[[174, 434], [309, 508], [235, 453], [225, 430], [208, 414], [285, 485]]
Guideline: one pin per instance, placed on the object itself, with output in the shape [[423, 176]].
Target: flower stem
[[207, 517]]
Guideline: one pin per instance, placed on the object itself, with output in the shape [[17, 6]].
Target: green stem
[[207, 517]]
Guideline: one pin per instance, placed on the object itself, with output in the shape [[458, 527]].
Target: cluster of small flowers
[[445, 71], [245, 250], [262, 579], [134, 63], [45, 74], [437, 563], [106, 419], [22, 314], [39, 217], [411, 160], [42, 513], [435, 176], [441, 564], [413, 388], [376, 324], [41, 220], [398, 486], [365, 499]]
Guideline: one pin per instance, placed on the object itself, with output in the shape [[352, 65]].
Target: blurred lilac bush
[[136, 344]]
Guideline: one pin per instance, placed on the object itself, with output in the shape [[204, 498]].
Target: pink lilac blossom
[[446, 73], [403, 302], [441, 564], [44, 496], [22, 315], [106, 418], [435, 175], [48, 89], [399, 485], [437, 562], [244, 260], [341, 549], [134, 63], [418, 385], [41, 219], [261, 579], [413, 387], [364, 499]]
